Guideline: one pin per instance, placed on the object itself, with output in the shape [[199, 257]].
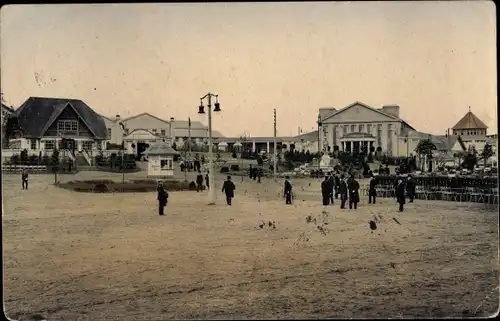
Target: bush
[[224, 169], [235, 167], [101, 188], [105, 186]]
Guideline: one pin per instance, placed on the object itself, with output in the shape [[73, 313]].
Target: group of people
[[255, 173], [199, 181], [335, 185]]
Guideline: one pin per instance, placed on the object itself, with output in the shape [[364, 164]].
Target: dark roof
[[12, 110], [37, 114], [161, 149], [470, 121], [445, 143], [310, 136]]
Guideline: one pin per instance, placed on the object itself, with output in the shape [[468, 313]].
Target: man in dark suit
[[353, 187], [337, 184], [162, 198], [325, 191], [199, 182], [331, 182], [207, 180], [400, 194], [410, 188], [372, 192], [287, 192], [228, 187], [343, 191]]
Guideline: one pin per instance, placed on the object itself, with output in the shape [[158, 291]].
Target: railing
[[87, 157], [443, 193], [19, 168]]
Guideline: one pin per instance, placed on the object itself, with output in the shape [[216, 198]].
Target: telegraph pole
[[274, 151]]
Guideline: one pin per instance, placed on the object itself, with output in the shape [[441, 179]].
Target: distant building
[[357, 125], [141, 130], [43, 124], [471, 130]]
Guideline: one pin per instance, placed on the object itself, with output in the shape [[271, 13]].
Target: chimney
[[117, 118], [391, 110]]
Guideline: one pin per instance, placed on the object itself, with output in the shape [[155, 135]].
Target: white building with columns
[[358, 124]]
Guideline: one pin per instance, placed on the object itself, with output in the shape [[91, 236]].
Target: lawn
[[79, 256]]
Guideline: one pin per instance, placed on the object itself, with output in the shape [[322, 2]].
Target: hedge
[[107, 186]]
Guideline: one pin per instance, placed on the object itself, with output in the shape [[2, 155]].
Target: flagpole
[[274, 151]]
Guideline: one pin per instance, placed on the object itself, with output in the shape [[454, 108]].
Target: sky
[[433, 59]]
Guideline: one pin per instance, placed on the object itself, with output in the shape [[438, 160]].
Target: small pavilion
[[161, 160]]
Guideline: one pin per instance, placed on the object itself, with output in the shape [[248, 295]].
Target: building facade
[[472, 131], [44, 124], [359, 125]]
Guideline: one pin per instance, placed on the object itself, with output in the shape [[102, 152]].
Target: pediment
[[141, 134], [358, 112], [145, 120]]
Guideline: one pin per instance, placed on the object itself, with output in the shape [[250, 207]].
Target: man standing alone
[[228, 187], [288, 191], [162, 198], [24, 178], [207, 180], [353, 187], [331, 181], [372, 192], [400, 194]]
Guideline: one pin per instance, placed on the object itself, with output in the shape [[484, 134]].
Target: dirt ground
[[78, 256]]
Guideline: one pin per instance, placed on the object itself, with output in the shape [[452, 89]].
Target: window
[[67, 126], [154, 130], [87, 145], [390, 127], [60, 145], [353, 128], [361, 128], [33, 144], [369, 128], [109, 132], [163, 132], [50, 144], [166, 164]]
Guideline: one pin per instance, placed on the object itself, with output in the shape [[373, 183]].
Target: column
[[268, 151], [343, 146], [253, 146]]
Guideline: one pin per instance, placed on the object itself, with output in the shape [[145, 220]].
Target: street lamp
[[319, 141], [170, 132], [201, 110]]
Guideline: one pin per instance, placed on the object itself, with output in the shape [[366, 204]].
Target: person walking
[[162, 198], [325, 191], [24, 178], [199, 182], [400, 194], [207, 180], [331, 181], [287, 192], [372, 191], [259, 174], [410, 188], [250, 172], [229, 188], [353, 187], [343, 191]]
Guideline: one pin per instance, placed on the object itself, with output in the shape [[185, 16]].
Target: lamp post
[[123, 153], [319, 141], [211, 177]]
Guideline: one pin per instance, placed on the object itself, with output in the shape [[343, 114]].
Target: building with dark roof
[[44, 124], [470, 125]]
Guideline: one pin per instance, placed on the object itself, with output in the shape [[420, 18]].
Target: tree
[[174, 146], [425, 148], [487, 153]]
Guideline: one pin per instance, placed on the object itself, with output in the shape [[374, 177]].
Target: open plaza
[[92, 256]]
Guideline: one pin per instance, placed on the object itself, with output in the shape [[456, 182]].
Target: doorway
[[141, 148]]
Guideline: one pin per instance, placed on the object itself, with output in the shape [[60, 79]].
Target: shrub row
[[137, 186]]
